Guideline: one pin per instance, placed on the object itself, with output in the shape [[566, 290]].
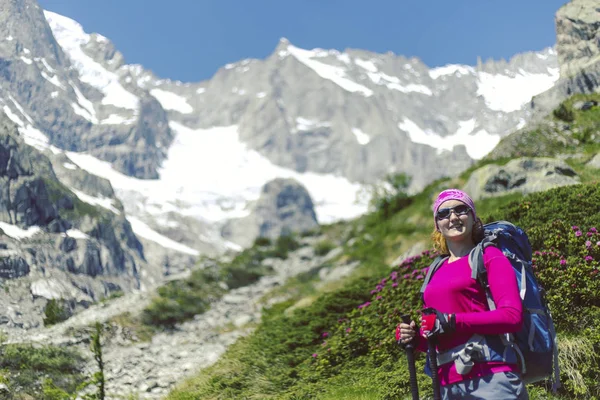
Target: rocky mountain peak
[[25, 35]]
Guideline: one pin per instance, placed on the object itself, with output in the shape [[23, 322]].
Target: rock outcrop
[[577, 36], [49, 234], [284, 207], [524, 175], [578, 51]]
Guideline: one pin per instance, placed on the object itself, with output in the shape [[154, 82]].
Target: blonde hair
[[439, 241]]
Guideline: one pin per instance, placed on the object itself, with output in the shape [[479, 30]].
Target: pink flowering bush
[[562, 225], [366, 336]]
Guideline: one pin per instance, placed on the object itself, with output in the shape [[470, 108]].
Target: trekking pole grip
[[410, 356]]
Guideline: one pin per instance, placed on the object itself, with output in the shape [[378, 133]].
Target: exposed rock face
[[284, 206], [524, 175], [595, 161], [577, 36], [578, 51], [47, 233]]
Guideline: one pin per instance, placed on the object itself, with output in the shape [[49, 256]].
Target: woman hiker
[[473, 362]]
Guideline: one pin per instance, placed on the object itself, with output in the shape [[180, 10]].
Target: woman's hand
[[405, 333]]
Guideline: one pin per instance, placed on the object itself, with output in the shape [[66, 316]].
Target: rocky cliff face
[[53, 244], [578, 50], [577, 36]]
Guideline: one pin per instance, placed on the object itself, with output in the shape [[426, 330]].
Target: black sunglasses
[[444, 213]]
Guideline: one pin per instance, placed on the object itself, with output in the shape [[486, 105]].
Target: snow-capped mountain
[[186, 157]]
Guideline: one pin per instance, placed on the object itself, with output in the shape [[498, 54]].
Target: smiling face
[[455, 228]]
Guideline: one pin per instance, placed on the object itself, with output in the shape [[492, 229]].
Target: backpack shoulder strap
[[434, 266], [478, 270]]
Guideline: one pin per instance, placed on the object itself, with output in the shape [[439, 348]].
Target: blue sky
[[189, 40]]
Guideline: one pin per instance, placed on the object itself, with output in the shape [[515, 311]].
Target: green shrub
[[55, 311], [52, 392], [324, 247], [310, 232], [177, 302], [564, 113], [181, 300], [41, 372], [262, 241], [283, 245], [392, 196]]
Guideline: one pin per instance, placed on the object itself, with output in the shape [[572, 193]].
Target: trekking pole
[[432, 353], [410, 356], [428, 324]]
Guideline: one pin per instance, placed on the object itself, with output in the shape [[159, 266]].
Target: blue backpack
[[535, 345]]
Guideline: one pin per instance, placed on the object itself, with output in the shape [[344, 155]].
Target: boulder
[[524, 175], [594, 162]]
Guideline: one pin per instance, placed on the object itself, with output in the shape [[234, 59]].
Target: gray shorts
[[501, 386]]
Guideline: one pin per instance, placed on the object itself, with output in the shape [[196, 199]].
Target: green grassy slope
[[340, 344]]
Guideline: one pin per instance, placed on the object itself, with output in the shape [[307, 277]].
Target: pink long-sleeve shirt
[[453, 291]]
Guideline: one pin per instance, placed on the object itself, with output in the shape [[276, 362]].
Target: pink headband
[[453, 194]]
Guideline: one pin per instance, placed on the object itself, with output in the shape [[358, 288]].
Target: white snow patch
[[71, 36], [82, 112], [115, 119], [305, 124], [451, 69], [508, 94], [200, 90], [53, 80], [335, 74], [104, 202], [478, 144], [68, 165], [26, 50], [21, 110], [54, 95], [26, 60], [393, 83], [361, 137], [172, 101], [211, 175], [18, 233], [143, 230], [48, 67], [229, 66], [76, 234], [9, 38], [369, 65], [143, 80], [12, 116], [345, 58], [87, 105], [34, 137], [30, 134], [260, 95]]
